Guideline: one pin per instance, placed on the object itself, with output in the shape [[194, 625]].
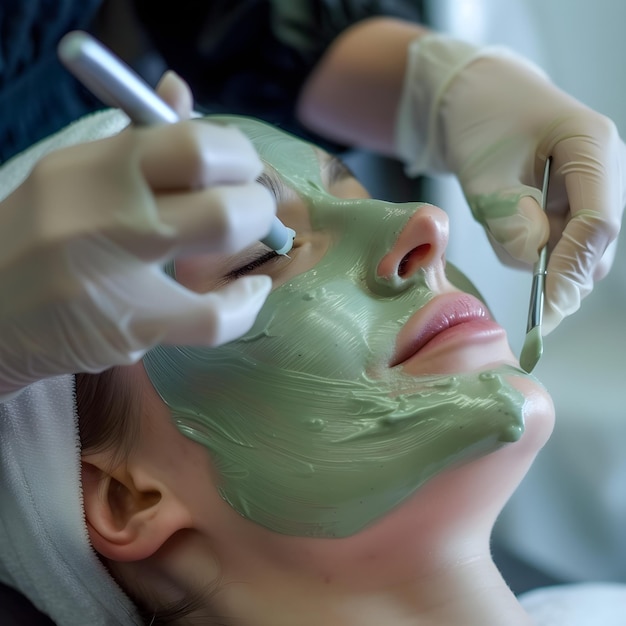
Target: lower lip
[[474, 332]]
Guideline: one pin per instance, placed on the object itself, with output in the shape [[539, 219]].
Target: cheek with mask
[[311, 432]]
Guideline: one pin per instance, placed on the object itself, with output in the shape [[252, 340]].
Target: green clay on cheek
[[311, 432]]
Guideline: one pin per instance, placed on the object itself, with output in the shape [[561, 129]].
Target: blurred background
[[567, 522]]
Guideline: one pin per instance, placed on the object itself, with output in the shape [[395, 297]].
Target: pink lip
[[445, 317]]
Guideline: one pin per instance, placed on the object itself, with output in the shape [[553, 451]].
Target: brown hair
[[108, 407], [106, 404]]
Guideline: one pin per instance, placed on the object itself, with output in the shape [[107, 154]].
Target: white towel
[[94, 126], [584, 604], [44, 547]]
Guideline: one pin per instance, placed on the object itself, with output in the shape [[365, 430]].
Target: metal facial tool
[[533, 343], [117, 85]]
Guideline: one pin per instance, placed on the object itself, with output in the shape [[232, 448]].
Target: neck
[[426, 563], [468, 591]]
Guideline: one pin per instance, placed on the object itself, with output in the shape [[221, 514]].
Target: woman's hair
[[106, 404], [108, 410]]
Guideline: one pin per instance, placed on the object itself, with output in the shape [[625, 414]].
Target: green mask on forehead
[[311, 433]]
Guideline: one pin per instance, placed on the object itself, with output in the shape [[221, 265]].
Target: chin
[[457, 507], [467, 498], [538, 409]]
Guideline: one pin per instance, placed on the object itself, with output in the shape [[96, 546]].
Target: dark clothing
[[252, 57], [246, 57], [37, 95]]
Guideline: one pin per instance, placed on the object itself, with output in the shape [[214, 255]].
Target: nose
[[421, 245]]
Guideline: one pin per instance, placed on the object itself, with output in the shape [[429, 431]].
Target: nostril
[[413, 260]]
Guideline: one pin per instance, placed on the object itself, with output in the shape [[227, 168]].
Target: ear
[[129, 514]]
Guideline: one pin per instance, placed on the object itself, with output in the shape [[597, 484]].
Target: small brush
[[533, 343], [116, 84]]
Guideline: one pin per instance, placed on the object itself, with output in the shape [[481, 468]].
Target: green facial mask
[[311, 433]]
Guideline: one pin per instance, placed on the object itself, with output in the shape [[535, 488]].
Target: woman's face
[[372, 367]]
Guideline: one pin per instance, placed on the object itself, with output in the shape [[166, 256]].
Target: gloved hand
[[84, 238], [493, 118]]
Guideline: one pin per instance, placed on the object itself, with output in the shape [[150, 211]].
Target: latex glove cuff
[[434, 61]]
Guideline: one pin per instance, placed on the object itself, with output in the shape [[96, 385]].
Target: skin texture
[[169, 516], [353, 93], [322, 436]]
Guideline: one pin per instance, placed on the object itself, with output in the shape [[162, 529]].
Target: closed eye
[[275, 185], [252, 265]]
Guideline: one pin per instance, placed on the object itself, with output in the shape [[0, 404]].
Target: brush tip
[[531, 350]]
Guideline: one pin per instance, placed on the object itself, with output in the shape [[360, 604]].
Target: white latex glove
[[84, 238], [492, 118]]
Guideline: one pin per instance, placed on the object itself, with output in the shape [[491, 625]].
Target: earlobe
[[129, 515]]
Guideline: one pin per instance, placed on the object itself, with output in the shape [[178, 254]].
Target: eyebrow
[[336, 168], [273, 183]]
